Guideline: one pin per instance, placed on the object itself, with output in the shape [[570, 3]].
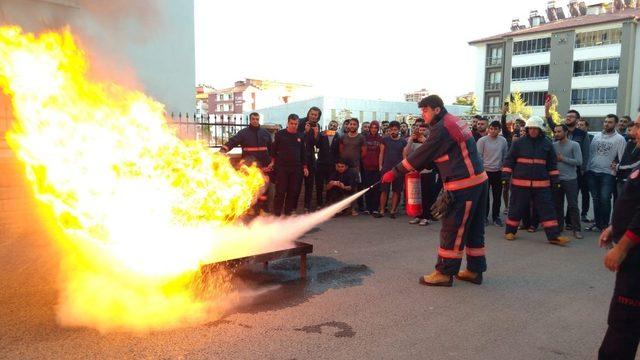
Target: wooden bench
[[299, 249]]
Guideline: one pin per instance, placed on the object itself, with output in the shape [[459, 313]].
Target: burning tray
[[299, 249]]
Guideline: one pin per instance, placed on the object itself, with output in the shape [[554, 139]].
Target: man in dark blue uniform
[[531, 165], [289, 155], [256, 147], [451, 147], [623, 334]]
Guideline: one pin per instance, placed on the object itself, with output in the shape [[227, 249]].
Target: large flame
[[136, 211]]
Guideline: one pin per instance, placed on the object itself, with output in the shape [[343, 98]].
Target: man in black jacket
[[288, 153], [256, 148], [623, 333], [310, 127], [581, 137], [328, 152], [630, 159]]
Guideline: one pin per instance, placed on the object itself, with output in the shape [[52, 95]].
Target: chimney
[[583, 8], [515, 24], [551, 11], [535, 19], [574, 10], [595, 9]]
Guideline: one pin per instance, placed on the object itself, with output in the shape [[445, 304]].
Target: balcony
[[494, 61], [492, 86], [491, 109]]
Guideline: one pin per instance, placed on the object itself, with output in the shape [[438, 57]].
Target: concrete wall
[[148, 40], [561, 68]]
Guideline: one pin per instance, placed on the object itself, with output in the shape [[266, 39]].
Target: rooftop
[[569, 23]]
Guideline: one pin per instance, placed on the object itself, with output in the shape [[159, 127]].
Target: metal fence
[[212, 134]]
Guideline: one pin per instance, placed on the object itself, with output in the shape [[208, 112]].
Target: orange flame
[[136, 211]]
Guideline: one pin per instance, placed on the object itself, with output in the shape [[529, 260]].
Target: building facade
[[228, 105], [590, 62], [339, 109], [416, 96]]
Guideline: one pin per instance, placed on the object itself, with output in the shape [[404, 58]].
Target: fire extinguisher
[[413, 194]]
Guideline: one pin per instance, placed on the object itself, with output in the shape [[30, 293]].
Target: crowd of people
[[591, 169], [533, 165]]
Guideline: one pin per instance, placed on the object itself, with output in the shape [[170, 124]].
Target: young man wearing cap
[[451, 148], [531, 166]]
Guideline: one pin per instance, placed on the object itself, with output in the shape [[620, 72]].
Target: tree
[[468, 101], [517, 105]]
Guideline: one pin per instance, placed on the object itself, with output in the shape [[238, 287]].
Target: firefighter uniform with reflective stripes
[[623, 334], [532, 167], [451, 147], [256, 145]]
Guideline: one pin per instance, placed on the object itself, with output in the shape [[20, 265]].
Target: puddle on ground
[[284, 287]]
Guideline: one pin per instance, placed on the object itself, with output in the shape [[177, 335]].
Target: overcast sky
[[363, 49]]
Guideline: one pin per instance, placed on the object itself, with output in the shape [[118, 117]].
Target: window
[[531, 46], [599, 37], [534, 72], [494, 55], [596, 67], [494, 80], [594, 96], [492, 104], [534, 98]]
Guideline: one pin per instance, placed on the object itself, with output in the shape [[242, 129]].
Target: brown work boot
[[436, 278], [510, 236], [470, 276], [560, 240]]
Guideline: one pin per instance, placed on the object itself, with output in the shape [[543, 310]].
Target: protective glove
[[388, 177], [443, 205]]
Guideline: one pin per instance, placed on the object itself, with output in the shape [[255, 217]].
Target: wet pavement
[[361, 300]]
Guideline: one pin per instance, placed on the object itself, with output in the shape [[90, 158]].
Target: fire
[[134, 210]]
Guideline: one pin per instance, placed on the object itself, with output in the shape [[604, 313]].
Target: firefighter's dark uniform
[[532, 167], [288, 151], [451, 147], [621, 339], [256, 147]]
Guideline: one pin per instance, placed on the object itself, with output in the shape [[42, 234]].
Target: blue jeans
[[601, 187]]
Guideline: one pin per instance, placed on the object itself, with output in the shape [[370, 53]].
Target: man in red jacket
[[451, 147]]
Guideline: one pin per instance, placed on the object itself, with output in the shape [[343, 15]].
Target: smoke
[[271, 233]]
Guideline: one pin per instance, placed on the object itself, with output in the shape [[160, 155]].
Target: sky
[[360, 49]]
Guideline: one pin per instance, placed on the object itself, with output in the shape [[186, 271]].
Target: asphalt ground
[[361, 300]]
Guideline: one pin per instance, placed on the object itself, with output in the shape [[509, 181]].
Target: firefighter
[[623, 334], [531, 165], [256, 147], [451, 147]]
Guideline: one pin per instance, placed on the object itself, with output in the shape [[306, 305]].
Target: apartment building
[[590, 60]]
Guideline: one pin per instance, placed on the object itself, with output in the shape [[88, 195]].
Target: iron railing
[[212, 134]]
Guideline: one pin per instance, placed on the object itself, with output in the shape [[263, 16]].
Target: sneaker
[[498, 222], [560, 241], [367, 212], [577, 235], [510, 236], [594, 228], [531, 229], [377, 215], [584, 218], [392, 215], [354, 212], [506, 211], [423, 222], [414, 221]]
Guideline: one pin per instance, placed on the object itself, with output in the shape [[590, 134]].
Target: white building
[[416, 96], [590, 61], [336, 108]]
